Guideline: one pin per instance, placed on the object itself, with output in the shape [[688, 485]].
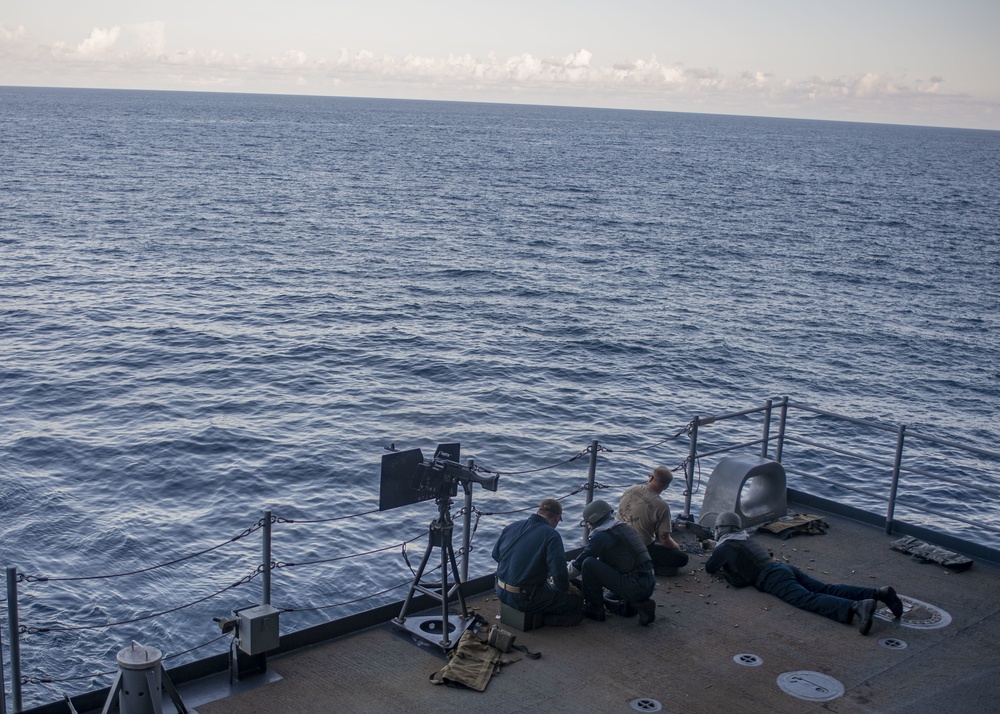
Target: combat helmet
[[596, 512], [728, 519]]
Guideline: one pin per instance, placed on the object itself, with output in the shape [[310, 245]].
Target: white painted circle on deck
[[811, 686], [917, 615]]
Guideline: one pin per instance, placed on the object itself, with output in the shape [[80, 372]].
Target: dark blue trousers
[[806, 593], [633, 586]]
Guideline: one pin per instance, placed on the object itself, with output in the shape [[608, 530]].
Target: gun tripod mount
[[408, 478], [438, 629]]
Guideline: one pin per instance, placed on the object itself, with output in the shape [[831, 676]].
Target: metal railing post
[[689, 466], [767, 429], [591, 480], [3, 686], [265, 581], [781, 429], [897, 463], [15, 642]]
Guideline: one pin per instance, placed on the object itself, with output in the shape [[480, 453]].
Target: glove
[[571, 570], [708, 544]]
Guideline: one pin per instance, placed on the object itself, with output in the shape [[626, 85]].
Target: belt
[[508, 588]]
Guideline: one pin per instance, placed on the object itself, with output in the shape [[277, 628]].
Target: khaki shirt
[[645, 511]]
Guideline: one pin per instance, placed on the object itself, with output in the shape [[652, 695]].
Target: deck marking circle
[[811, 686], [917, 615], [748, 660], [432, 626], [892, 643], [645, 704]]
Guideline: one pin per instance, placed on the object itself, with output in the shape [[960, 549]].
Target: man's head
[[727, 522], [551, 510], [596, 513], [660, 478]]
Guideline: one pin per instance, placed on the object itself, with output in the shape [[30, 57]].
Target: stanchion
[[591, 483], [15, 642], [3, 687], [265, 580]]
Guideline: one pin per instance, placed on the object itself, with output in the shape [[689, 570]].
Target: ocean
[[216, 304]]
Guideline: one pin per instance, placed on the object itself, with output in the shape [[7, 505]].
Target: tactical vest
[[628, 551], [751, 560]]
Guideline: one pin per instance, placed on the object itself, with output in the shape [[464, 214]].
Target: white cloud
[[869, 85], [14, 35], [138, 55], [523, 68], [578, 59], [289, 60], [99, 42], [756, 79]]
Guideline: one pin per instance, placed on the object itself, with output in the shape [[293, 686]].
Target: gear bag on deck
[[477, 657]]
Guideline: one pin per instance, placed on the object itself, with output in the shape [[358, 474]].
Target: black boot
[[647, 611], [865, 610], [615, 606], [887, 594], [594, 612]]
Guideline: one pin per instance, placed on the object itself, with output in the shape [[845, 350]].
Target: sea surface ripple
[[218, 304]]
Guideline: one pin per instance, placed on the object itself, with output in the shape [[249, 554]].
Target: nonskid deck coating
[[687, 660]]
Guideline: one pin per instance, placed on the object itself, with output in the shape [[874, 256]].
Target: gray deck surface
[[684, 662]]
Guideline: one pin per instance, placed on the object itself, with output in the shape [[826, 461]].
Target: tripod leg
[[445, 550], [458, 582], [416, 580], [448, 559]]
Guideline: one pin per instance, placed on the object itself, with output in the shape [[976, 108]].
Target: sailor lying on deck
[[745, 562]]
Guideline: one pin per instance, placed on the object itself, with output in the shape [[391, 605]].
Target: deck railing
[[906, 473], [910, 453]]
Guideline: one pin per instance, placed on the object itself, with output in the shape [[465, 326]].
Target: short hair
[[663, 475]]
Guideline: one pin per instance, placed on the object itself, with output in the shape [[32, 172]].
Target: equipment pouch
[[503, 640], [500, 638]]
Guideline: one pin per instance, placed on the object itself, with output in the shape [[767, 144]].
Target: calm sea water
[[216, 304]]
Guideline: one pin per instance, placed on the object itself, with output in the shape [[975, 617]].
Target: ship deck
[[712, 648]]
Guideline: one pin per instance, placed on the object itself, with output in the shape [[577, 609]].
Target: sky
[[920, 62]]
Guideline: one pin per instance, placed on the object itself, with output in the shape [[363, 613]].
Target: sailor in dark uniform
[[615, 559], [531, 568], [745, 562]]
